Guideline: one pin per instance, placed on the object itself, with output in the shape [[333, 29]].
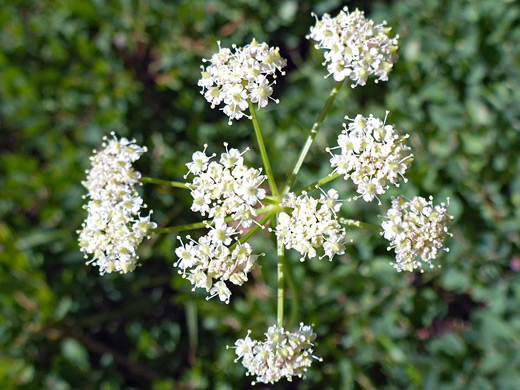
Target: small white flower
[[334, 245], [238, 75], [221, 290], [236, 96], [201, 201], [394, 228], [187, 255], [261, 91], [200, 279], [244, 346], [282, 354], [250, 191], [370, 188], [245, 214], [416, 230], [356, 47], [199, 162], [232, 157], [221, 233], [114, 227], [330, 200]]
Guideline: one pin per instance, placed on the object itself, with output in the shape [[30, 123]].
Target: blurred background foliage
[[72, 71]]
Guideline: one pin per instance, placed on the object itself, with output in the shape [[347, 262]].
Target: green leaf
[[75, 353]]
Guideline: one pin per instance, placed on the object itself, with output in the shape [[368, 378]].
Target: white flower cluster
[[211, 259], [371, 154], [356, 47], [312, 224], [114, 228], [238, 75], [221, 189], [228, 188], [283, 354], [416, 230]]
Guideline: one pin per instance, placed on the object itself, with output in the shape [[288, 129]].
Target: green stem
[[263, 152], [311, 136], [359, 224], [272, 200], [280, 293], [203, 224], [295, 302], [191, 226], [319, 183], [167, 183]]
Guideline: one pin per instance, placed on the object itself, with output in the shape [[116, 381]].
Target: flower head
[[210, 262], [242, 74], [312, 224], [372, 153], [416, 230], [114, 227], [356, 47], [282, 354], [226, 188]]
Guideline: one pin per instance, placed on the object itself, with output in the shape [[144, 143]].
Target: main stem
[[293, 291], [311, 136], [280, 294], [263, 152]]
